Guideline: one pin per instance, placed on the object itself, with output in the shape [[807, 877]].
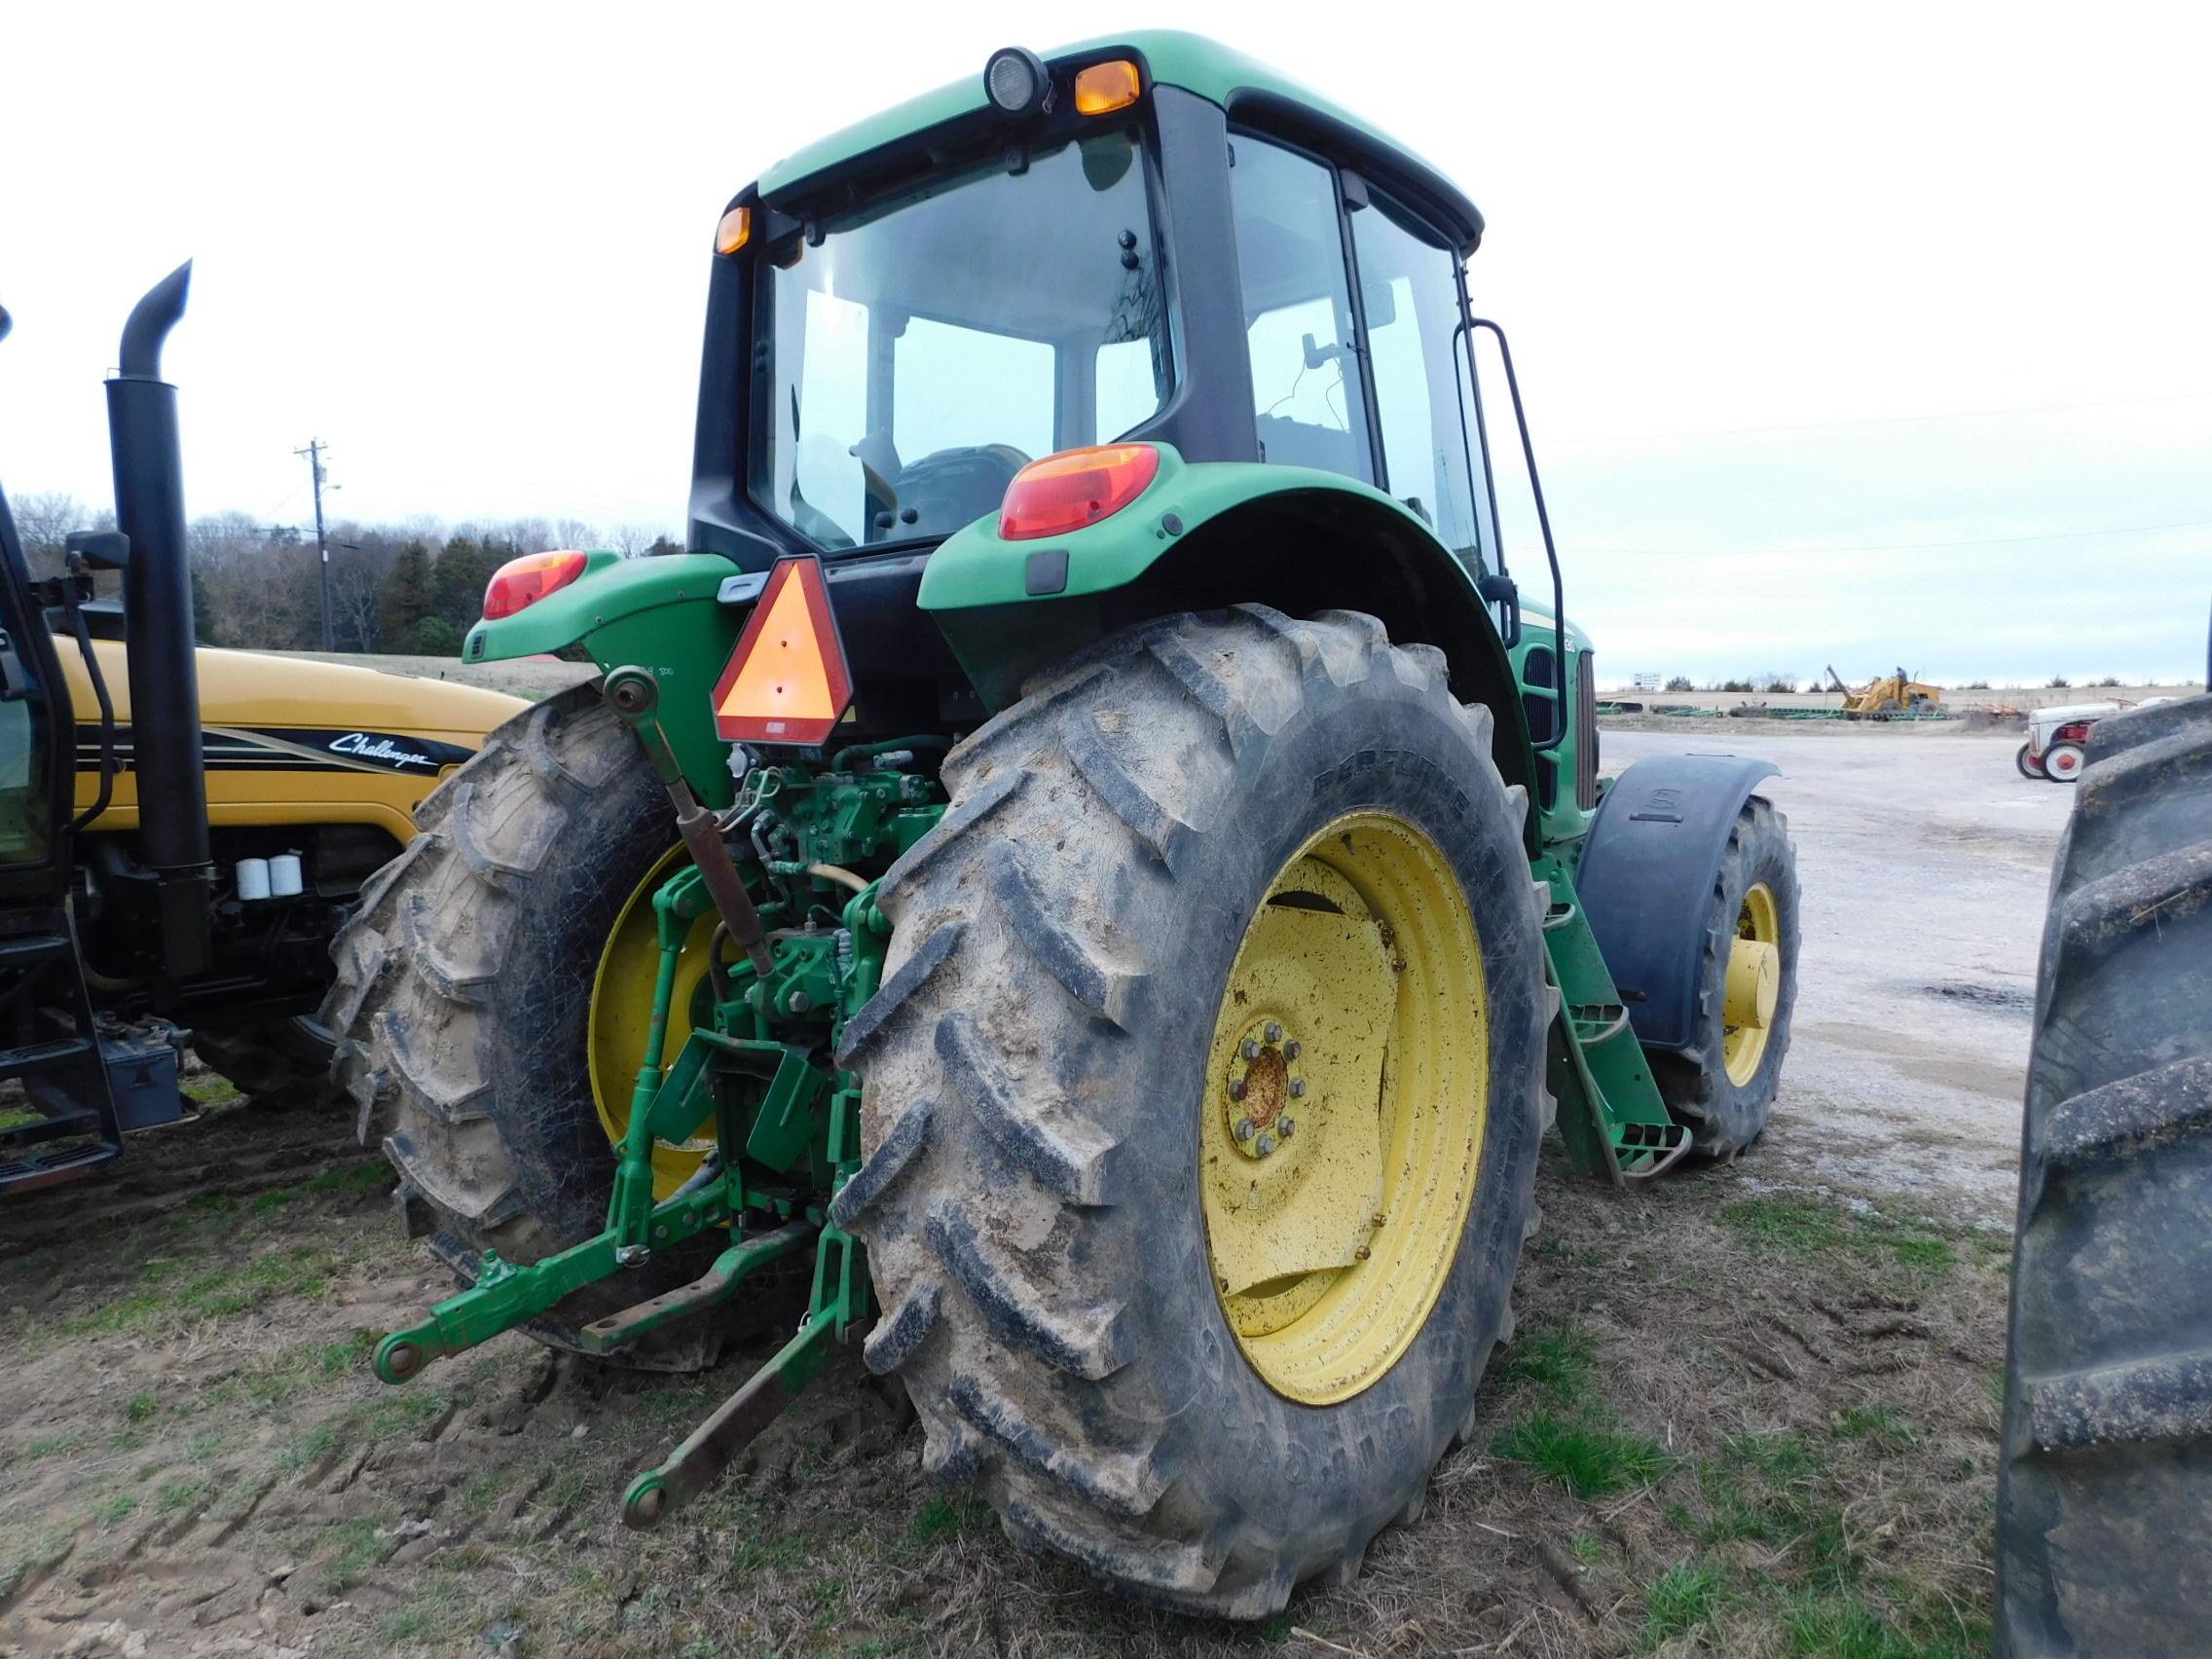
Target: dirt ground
[[1751, 1410]]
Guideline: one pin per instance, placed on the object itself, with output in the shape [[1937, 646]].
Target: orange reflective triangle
[[787, 680]]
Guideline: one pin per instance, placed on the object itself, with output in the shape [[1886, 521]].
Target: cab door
[[58, 1117]]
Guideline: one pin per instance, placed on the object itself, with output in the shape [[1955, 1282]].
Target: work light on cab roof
[[1018, 83]]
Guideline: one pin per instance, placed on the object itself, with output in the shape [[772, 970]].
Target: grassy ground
[[1736, 1420]]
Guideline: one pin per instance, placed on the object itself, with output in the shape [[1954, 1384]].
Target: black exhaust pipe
[[157, 602]]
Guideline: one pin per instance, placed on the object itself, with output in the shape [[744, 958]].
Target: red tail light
[[522, 582], [1074, 488]]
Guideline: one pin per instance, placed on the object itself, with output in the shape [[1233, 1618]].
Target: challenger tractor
[[1083, 874], [181, 831]]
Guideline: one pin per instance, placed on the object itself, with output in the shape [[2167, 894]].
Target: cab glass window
[[1305, 388], [923, 349], [1416, 351]]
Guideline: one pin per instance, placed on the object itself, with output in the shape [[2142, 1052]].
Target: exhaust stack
[[157, 599]]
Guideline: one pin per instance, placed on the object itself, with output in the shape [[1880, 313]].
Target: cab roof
[[1243, 85]]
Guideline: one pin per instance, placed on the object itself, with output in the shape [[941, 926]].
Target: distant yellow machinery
[[1896, 693]]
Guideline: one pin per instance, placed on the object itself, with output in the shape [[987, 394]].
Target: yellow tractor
[[1881, 699], [182, 831]]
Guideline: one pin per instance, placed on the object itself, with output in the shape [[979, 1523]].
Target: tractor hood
[[251, 690]]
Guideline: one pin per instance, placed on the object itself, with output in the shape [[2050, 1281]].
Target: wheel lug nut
[[1297, 1089], [1274, 1032], [1267, 1145], [1287, 1125], [1250, 1048], [1375, 1219], [1235, 1088], [1363, 1252], [1293, 1049], [1243, 1128]]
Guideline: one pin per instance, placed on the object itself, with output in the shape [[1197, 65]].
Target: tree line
[[410, 589]]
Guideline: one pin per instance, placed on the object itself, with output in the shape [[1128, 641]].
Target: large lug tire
[[2105, 1493], [1708, 1087], [2025, 759], [1038, 1062], [461, 1006], [276, 1063]]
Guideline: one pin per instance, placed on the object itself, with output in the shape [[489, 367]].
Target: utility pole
[[315, 452]]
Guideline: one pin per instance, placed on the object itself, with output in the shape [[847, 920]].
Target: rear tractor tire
[[2104, 1516], [1722, 1087], [463, 1004], [1202, 1101], [2062, 763]]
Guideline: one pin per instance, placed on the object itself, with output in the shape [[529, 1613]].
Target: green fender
[[660, 613], [1210, 533]]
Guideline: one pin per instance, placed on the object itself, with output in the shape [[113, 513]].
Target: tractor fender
[[1647, 876], [1207, 534], [610, 589]]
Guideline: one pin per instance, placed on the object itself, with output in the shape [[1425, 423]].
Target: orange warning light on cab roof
[[787, 682]]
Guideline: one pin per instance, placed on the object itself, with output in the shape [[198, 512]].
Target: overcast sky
[[1864, 335]]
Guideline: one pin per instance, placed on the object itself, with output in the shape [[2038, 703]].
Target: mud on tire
[[1033, 1067], [461, 1006], [2105, 1493]]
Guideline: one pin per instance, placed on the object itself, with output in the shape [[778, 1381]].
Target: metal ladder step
[[50, 1168], [38, 1056]]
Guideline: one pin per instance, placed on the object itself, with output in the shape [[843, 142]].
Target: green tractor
[[1084, 869]]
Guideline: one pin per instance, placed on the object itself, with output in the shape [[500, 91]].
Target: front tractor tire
[[1202, 1101], [463, 1006], [1722, 1087]]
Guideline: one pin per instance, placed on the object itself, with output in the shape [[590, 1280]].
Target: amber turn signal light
[[735, 230], [1104, 87]]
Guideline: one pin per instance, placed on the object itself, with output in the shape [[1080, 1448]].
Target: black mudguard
[[1647, 876]]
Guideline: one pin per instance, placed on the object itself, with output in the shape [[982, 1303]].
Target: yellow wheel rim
[[1346, 1092], [623, 1011], [1754, 986]]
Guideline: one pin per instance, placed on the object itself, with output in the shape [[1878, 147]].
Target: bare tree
[[358, 577], [575, 533], [43, 522], [260, 581], [632, 541]]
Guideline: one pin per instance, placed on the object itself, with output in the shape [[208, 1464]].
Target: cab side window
[[1411, 296], [1307, 393]]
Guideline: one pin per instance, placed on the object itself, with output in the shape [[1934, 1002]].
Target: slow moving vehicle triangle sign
[[787, 682]]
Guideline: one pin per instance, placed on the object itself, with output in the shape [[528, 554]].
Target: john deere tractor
[[181, 831], [1084, 864]]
